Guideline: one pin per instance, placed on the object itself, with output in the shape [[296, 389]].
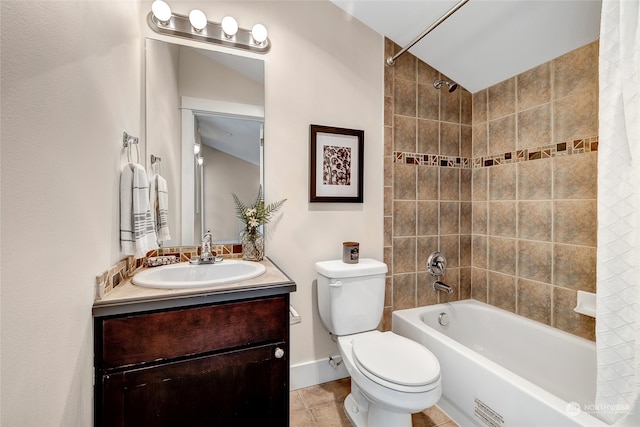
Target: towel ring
[[127, 142]]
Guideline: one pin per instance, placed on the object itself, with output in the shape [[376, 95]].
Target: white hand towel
[[137, 234], [160, 206]]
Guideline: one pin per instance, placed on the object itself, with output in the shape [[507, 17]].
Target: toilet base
[[373, 416]]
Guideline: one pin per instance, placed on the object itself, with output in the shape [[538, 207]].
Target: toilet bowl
[[391, 378]]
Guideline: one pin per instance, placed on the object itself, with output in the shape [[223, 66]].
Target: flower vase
[[252, 245]]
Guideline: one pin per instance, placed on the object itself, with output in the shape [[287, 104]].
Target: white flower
[[253, 222], [250, 212]]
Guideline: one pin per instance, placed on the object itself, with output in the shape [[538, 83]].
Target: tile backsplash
[[502, 181], [109, 279]]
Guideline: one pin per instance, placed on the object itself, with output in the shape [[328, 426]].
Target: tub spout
[[440, 286]]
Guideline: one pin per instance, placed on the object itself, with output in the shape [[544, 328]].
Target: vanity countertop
[[129, 298]]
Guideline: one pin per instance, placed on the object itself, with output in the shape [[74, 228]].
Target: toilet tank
[[350, 296]]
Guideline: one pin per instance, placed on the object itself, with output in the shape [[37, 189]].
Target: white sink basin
[[181, 276]]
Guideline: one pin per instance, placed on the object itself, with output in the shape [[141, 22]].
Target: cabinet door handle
[[279, 353]]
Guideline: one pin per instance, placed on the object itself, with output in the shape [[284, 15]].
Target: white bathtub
[[501, 369]]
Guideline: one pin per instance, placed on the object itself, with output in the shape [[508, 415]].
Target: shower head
[[451, 85]]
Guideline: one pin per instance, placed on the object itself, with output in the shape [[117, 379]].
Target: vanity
[[194, 357]]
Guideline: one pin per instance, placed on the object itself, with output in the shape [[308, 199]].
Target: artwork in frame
[[337, 163]]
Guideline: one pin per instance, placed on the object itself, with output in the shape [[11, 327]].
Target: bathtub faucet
[[441, 286]]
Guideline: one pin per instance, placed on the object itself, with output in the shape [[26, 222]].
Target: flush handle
[[336, 284]]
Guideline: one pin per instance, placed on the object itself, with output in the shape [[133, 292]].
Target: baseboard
[[314, 373]]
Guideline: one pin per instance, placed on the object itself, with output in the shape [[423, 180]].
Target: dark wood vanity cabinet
[[222, 364]]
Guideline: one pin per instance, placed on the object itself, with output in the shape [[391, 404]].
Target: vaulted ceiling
[[485, 41]]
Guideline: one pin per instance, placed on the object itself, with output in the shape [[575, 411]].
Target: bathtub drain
[[487, 415]]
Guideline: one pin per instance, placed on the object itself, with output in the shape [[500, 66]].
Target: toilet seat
[[396, 362]]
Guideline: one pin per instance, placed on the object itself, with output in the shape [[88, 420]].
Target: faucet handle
[[436, 264]]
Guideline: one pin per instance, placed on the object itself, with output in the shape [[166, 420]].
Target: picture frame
[[336, 165]]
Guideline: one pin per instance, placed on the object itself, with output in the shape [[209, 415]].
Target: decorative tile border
[[109, 279], [577, 146]]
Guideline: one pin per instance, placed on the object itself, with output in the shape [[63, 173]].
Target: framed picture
[[336, 165]]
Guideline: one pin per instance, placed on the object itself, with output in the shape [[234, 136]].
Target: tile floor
[[322, 406]]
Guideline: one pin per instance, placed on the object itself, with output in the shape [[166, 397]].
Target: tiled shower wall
[[503, 182]]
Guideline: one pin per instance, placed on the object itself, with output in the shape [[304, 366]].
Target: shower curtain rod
[[391, 60]]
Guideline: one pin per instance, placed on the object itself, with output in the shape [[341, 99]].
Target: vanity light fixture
[[198, 20], [161, 11], [200, 160], [259, 33], [229, 26], [196, 149], [196, 27]]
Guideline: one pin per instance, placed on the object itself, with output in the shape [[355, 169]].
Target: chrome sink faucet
[[205, 252]]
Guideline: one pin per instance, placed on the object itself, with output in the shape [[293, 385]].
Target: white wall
[[69, 91], [71, 83]]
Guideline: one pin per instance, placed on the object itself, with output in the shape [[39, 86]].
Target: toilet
[[392, 376]]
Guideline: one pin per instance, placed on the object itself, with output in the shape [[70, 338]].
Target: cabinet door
[[239, 388]]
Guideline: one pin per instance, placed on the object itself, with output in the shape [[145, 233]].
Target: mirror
[[213, 100]]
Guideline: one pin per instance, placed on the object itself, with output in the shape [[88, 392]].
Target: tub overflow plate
[[443, 319]]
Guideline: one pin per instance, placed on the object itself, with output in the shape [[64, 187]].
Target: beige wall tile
[[388, 140], [426, 246], [479, 184], [465, 184], [426, 295], [502, 219], [480, 217], [427, 74], [564, 300], [450, 248], [480, 106], [449, 184], [534, 127], [576, 177], [388, 201], [534, 87], [404, 255], [534, 260], [479, 287], [428, 218], [465, 250], [428, 101], [575, 117], [466, 217], [404, 97], [406, 67], [428, 183], [574, 267], [576, 72], [449, 105], [404, 291], [502, 99], [449, 139], [404, 181], [502, 135], [502, 182], [575, 222], [464, 283], [466, 106], [535, 220], [480, 140], [404, 134], [502, 255], [388, 230], [428, 136], [534, 180], [479, 251], [466, 141], [449, 218], [404, 218], [502, 291], [388, 111], [534, 300]]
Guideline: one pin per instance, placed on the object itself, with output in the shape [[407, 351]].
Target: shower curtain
[[618, 260]]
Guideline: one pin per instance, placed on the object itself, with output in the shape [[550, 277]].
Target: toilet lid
[[395, 359]]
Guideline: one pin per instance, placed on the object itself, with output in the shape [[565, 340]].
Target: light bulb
[[259, 33], [200, 160], [229, 26], [161, 11], [198, 19], [196, 148]]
